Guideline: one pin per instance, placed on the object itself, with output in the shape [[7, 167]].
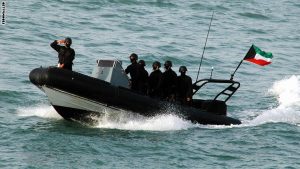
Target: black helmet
[[134, 56], [182, 69], [142, 62], [68, 41], [168, 63], [157, 63]]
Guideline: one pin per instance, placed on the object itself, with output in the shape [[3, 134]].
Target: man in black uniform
[[155, 80], [184, 87], [168, 82], [143, 77], [133, 70], [66, 54]]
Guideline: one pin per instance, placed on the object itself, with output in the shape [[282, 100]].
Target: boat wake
[[287, 93]]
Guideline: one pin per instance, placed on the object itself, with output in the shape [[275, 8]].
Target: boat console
[[112, 72]]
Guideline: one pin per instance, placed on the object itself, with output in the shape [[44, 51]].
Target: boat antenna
[[205, 45], [211, 72]]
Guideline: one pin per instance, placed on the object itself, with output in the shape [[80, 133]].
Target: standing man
[[184, 87], [66, 54], [155, 80], [168, 82], [143, 78], [133, 70]]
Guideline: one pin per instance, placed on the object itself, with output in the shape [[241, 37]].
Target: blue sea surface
[[33, 135]]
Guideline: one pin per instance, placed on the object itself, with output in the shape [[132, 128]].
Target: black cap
[[157, 63], [135, 56], [68, 40], [142, 62], [168, 63], [182, 69]]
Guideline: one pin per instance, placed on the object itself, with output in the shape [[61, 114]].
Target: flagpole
[[236, 69], [231, 78]]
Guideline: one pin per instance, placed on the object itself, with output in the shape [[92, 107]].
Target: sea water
[[33, 135]]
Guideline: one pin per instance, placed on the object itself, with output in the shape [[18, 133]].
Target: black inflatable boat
[[79, 97]]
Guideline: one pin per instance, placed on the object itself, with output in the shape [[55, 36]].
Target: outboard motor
[[111, 71]]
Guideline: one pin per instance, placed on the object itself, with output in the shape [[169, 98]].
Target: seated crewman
[[168, 82], [155, 80], [143, 77], [184, 87]]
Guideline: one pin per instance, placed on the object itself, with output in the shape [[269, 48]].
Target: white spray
[[287, 92]]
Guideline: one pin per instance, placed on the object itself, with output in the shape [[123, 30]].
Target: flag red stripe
[[259, 62]]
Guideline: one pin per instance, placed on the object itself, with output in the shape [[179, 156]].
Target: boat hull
[[79, 97]]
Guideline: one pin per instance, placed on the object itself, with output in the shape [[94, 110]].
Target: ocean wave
[[254, 15]]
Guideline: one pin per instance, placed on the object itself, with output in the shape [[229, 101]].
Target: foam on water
[[288, 111], [287, 91], [44, 111], [121, 120], [130, 121]]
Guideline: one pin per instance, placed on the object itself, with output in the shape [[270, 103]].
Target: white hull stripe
[[61, 98]]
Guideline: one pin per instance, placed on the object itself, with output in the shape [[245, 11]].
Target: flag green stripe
[[263, 53]]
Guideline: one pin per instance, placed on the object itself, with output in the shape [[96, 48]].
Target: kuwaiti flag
[[257, 56]]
